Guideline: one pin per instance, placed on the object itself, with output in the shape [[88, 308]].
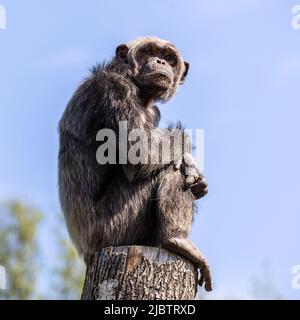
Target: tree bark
[[139, 273]]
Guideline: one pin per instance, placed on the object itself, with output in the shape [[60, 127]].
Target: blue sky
[[242, 89]]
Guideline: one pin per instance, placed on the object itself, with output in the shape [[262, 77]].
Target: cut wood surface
[[139, 273]]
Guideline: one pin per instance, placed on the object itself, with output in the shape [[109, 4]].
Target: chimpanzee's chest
[[149, 117]]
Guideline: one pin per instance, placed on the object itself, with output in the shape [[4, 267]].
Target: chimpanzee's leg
[[175, 206]]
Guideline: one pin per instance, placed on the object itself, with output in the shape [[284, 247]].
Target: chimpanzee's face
[[157, 66]]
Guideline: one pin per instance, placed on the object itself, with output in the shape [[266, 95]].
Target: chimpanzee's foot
[[186, 248]]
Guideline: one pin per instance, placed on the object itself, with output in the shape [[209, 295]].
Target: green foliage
[[20, 255], [70, 273], [19, 249]]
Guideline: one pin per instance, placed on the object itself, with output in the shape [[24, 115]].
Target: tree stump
[[139, 273]]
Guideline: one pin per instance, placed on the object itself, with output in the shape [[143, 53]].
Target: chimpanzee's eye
[[171, 59], [150, 51], [143, 54]]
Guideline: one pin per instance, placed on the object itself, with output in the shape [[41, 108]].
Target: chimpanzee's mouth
[[160, 75]]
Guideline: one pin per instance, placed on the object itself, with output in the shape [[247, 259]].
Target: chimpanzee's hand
[[194, 178], [199, 188]]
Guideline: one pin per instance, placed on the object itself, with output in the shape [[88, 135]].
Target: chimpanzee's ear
[[121, 51], [187, 66]]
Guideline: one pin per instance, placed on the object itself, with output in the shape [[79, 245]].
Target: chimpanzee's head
[[156, 64]]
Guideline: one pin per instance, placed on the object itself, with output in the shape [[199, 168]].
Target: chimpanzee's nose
[[160, 61]]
